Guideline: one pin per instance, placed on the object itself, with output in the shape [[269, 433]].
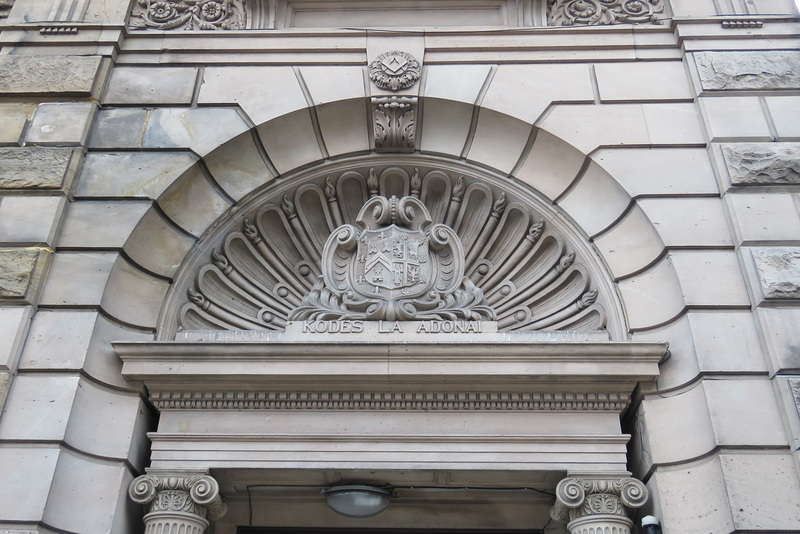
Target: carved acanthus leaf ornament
[[394, 123], [578, 12], [188, 15], [448, 247]]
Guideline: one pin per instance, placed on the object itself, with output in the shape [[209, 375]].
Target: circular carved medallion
[[394, 70]]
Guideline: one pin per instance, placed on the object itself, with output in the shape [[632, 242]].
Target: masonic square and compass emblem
[[394, 70]]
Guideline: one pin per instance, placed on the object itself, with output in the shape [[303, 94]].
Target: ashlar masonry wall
[[674, 147]]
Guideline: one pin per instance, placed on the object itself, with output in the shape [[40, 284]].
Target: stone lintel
[[515, 365]]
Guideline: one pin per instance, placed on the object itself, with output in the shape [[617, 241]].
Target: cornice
[[362, 376]]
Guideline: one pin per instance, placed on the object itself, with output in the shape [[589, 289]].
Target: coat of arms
[[396, 266]]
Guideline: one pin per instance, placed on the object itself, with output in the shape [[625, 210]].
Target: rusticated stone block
[[48, 74], [774, 69], [33, 168], [20, 270], [778, 271], [762, 163]]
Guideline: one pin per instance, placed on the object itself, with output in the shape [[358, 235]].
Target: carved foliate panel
[[449, 246], [579, 12], [394, 123], [188, 15]]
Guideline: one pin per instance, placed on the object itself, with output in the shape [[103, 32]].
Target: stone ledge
[[518, 364]]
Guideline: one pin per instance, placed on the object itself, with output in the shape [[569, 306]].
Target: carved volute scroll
[[594, 504], [395, 265], [483, 248]]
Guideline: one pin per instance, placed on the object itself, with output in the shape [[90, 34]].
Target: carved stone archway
[[498, 355]]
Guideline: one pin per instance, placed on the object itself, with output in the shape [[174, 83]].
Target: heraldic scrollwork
[[395, 265]]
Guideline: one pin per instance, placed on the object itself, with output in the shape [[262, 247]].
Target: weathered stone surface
[[5, 385], [774, 69], [33, 168], [118, 128], [762, 163], [17, 268], [778, 271], [61, 123], [5, 8], [151, 85], [48, 74], [13, 117]]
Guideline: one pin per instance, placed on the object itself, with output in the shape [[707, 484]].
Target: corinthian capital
[[188, 500], [590, 503]]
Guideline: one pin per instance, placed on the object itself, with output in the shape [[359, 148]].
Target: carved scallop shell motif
[[299, 259]]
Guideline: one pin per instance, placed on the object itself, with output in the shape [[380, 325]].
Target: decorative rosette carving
[[579, 500], [577, 12], [188, 15], [394, 70]]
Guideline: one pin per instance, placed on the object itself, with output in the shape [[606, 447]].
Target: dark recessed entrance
[[278, 530]]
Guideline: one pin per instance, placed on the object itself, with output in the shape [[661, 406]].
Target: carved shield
[[392, 263]]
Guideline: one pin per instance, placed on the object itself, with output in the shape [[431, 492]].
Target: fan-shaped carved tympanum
[[397, 243]]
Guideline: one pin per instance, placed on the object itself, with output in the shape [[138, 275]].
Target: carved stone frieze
[[590, 505], [479, 253], [188, 15], [394, 70], [394, 123], [578, 12], [395, 401], [179, 503]]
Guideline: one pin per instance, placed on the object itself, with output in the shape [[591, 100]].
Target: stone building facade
[[522, 264]]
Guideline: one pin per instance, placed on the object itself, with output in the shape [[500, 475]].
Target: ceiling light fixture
[[357, 501]]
